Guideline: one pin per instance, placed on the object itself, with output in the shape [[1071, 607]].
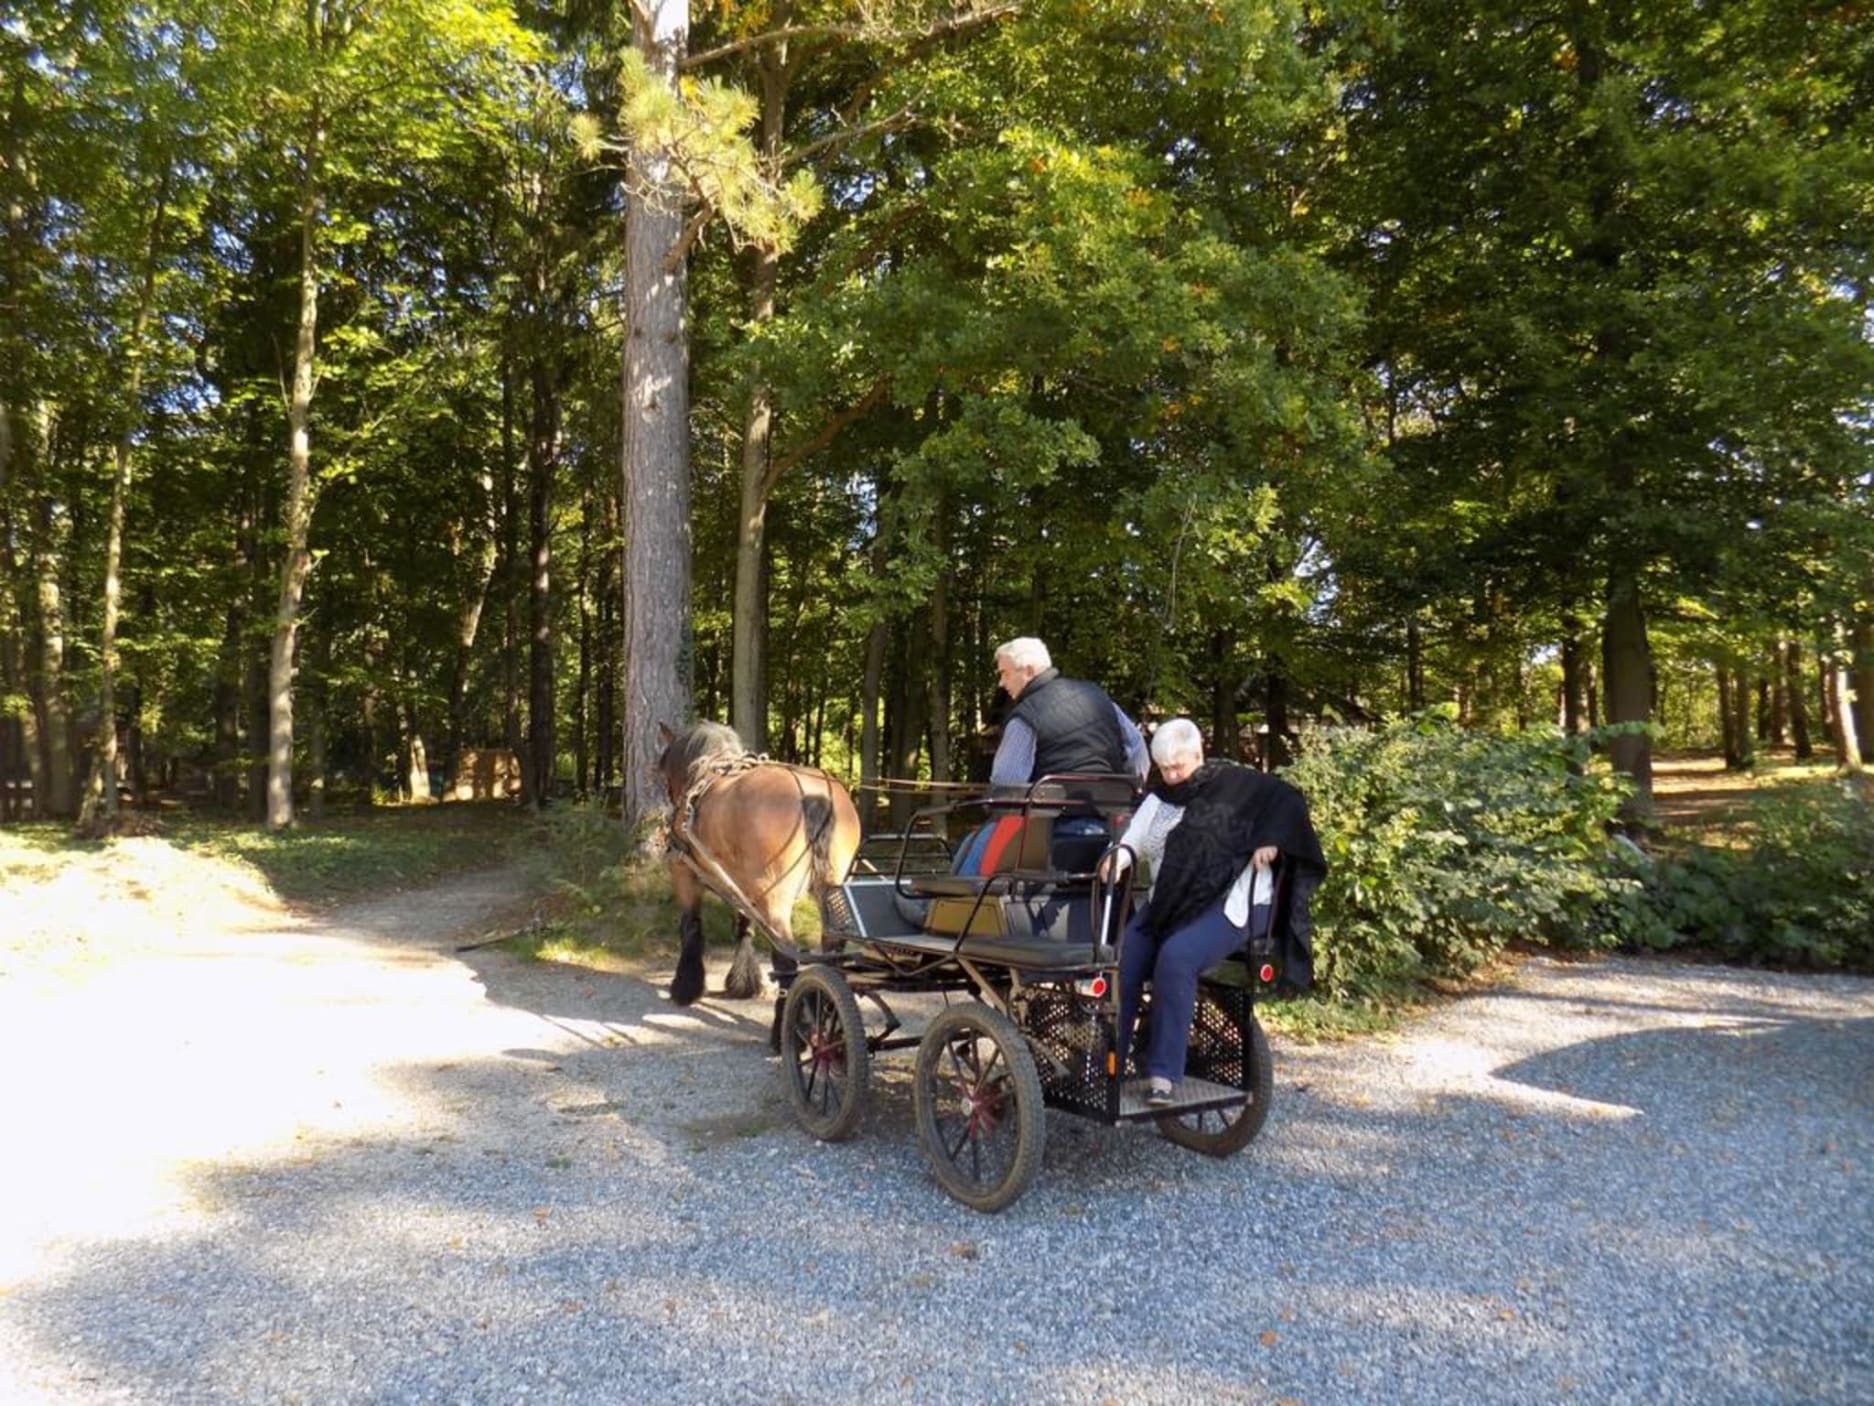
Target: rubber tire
[[1020, 1080], [1239, 1125], [819, 1001]]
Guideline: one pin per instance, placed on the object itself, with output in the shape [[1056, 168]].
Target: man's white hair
[[1026, 653], [1176, 741]]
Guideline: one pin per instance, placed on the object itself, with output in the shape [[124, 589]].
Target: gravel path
[[334, 1160]]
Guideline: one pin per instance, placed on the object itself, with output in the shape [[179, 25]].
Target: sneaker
[[1158, 1093]]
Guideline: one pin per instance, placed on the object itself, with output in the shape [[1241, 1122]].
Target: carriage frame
[[1030, 981]]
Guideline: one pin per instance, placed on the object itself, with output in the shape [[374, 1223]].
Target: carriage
[[1023, 949]]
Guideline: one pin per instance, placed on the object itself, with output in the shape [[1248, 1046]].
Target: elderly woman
[[1212, 831]]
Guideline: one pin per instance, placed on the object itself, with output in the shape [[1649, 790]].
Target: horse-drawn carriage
[[1023, 947]]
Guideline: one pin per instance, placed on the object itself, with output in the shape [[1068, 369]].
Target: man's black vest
[[1075, 726]]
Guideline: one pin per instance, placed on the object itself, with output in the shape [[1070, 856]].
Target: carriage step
[[1190, 1094]]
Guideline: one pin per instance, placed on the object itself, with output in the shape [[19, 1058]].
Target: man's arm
[[1015, 755], [1138, 757]]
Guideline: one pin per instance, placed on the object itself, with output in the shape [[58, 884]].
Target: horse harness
[[704, 775]]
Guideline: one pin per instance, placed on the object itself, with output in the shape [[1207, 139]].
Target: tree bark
[[297, 514], [1727, 720], [1779, 698], [1627, 668], [1841, 711], [1862, 675], [1574, 685], [55, 797], [102, 794], [606, 726], [543, 452], [656, 478], [1796, 690], [1746, 732]]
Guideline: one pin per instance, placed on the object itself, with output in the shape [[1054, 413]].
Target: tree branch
[[943, 29], [824, 436], [899, 121]]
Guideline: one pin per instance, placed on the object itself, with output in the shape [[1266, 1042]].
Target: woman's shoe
[[1158, 1092]]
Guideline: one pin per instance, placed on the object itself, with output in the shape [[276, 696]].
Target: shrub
[[1445, 845], [1800, 893]]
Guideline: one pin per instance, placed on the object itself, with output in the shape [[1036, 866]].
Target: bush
[[1444, 845], [1801, 893]]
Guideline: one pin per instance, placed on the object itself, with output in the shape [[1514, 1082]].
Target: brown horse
[[772, 830]]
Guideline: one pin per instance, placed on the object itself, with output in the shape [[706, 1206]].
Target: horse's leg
[[778, 910], [744, 980], [687, 985]]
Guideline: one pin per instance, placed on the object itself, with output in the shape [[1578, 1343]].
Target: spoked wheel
[[979, 1109], [824, 1060], [1222, 1132]]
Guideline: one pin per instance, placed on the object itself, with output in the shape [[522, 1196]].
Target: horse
[[773, 830]]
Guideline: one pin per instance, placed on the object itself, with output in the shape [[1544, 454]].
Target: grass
[[599, 910], [316, 862], [1699, 802]]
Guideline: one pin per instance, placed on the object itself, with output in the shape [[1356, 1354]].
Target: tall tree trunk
[[582, 695], [1225, 730], [1746, 731], [1841, 710], [1275, 712], [656, 403], [1627, 667], [605, 764], [1779, 698], [1574, 685], [58, 800], [748, 707], [1862, 675], [297, 516], [938, 701], [1796, 687], [543, 452], [870, 691], [315, 758], [513, 576], [1727, 719], [468, 622], [102, 794]]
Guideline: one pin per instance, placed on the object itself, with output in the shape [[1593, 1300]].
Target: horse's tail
[[817, 811]]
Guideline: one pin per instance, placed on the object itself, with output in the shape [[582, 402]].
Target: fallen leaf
[[1269, 1337]]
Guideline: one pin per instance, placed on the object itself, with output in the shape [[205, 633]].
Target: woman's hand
[[1264, 857], [1107, 870]]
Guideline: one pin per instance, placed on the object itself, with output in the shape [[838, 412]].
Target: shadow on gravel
[[1718, 1073], [629, 1213]]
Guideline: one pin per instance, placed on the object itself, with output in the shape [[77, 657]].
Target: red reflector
[[1099, 986], [1267, 973]]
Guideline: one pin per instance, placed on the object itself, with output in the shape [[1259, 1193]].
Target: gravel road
[[335, 1160]]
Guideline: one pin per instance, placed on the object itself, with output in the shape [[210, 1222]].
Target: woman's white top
[[1154, 821]]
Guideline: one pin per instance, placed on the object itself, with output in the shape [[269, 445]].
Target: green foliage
[[1800, 893], [1443, 846]]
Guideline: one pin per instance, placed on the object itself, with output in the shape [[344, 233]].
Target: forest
[[388, 384]]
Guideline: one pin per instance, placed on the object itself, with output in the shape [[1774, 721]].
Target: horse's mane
[[695, 744]]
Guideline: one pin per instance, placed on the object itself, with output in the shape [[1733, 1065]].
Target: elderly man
[[1058, 725]]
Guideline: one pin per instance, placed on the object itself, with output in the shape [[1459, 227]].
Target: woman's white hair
[[1026, 653], [1176, 741]]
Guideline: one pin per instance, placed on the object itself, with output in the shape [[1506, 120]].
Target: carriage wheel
[[1222, 1132], [824, 1060], [979, 1109]]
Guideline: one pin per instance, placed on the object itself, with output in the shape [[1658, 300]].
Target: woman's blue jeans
[[1172, 964]]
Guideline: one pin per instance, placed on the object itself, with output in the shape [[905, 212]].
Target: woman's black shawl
[[1230, 812]]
